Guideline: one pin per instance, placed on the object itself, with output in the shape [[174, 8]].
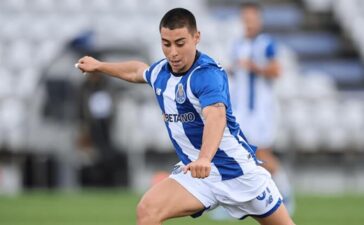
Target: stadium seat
[[12, 117], [13, 28], [345, 71], [42, 6], [47, 51], [100, 6], [320, 6], [6, 84], [19, 54], [126, 7], [352, 116], [287, 16], [317, 86], [71, 6], [311, 43], [13, 6], [27, 82]]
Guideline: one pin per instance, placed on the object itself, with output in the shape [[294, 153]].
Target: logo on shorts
[[263, 196], [177, 169], [180, 94], [158, 91]]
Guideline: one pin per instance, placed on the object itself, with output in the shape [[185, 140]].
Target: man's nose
[[173, 51]]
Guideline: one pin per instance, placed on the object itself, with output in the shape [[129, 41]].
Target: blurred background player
[[255, 68], [96, 112]]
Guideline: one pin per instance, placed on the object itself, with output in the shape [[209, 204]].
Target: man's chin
[[178, 69]]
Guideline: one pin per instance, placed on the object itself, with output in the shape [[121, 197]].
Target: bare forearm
[[272, 70], [130, 71], [215, 123]]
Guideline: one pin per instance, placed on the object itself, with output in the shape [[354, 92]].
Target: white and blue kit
[[252, 94], [235, 179]]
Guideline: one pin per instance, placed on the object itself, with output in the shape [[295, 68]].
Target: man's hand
[[199, 169], [88, 64], [245, 64], [249, 65]]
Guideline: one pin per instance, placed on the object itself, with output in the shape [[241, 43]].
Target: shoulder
[[157, 65], [208, 67], [269, 45], [266, 39], [208, 76], [152, 72]]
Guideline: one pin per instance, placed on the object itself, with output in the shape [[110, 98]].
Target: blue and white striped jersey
[[182, 98], [253, 92], [252, 95]]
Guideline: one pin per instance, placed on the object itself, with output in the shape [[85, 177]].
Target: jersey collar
[[182, 74]]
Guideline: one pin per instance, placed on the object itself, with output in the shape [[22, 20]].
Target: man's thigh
[[279, 217], [169, 199]]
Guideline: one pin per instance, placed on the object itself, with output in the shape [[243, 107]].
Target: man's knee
[[147, 213]]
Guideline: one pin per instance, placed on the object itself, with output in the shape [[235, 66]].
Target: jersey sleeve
[[210, 86], [148, 73], [271, 50]]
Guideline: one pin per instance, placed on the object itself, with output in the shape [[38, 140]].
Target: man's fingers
[[197, 171], [185, 169], [207, 171], [77, 66]]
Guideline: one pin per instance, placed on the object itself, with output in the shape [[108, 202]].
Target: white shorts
[[231, 194]]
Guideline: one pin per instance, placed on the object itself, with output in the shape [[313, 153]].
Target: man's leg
[[167, 199], [270, 161], [279, 217]]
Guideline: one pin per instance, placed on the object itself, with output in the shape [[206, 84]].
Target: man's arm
[[215, 123], [131, 71], [271, 70]]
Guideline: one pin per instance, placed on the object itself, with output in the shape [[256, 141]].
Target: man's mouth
[[175, 62]]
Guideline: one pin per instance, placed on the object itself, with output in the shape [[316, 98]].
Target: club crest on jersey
[[180, 94]]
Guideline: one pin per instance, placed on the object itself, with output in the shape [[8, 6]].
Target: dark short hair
[[251, 4], [179, 18]]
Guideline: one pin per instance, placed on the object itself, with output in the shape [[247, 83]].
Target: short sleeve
[[271, 50], [210, 86], [148, 73]]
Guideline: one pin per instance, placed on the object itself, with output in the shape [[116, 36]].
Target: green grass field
[[118, 207]]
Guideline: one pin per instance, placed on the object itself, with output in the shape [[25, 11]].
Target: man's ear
[[197, 37]]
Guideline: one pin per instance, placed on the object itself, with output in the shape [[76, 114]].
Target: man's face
[[179, 47], [251, 19]]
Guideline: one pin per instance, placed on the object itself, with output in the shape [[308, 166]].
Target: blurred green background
[[112, 207]]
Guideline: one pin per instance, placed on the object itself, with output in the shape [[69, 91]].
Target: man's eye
[[180, 44], [167, 44]]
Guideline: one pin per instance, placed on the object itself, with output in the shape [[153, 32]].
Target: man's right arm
[[131, 71]]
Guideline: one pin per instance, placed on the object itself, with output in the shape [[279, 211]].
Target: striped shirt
[[182, 98]]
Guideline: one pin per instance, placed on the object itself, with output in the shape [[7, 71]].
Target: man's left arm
[[215, 123], [271, 70]]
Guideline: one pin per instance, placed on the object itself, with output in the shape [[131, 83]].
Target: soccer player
[[218, 166], [255, 67]]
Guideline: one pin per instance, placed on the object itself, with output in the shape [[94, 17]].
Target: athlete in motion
[[218, 166], [255, 68]]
